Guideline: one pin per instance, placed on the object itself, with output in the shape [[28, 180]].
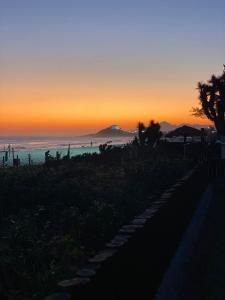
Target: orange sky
[[79, 66], [73, 108]]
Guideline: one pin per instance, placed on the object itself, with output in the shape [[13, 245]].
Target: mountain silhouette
[[166, 126], [112, 131]]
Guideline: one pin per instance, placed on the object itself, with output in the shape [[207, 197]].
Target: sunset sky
[[75, 66]]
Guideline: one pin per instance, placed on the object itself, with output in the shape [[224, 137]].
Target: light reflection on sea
[[37, 146]]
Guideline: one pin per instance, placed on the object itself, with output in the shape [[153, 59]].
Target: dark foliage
[[148, 136], [53, 217], [212, 102]]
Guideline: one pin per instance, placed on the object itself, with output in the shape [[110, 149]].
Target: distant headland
[[112, 131]]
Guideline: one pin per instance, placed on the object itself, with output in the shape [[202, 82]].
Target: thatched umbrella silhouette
[[184, 131]]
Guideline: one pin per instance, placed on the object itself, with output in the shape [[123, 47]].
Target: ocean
[[36, 146]]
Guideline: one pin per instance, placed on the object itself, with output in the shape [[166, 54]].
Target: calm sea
[[36, 146]]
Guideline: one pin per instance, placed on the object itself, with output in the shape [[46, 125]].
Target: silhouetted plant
[[212, 102], [141, 133], [103, 148], [135, 141], [153, 134], [148, 136]]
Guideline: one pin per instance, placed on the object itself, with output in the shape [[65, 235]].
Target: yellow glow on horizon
[[78, 107]]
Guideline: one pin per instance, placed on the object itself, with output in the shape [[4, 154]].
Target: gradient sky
[[75, 66]]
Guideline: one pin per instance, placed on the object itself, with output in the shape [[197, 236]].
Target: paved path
[[197, 271]]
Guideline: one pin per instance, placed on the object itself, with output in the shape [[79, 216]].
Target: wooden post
[[18, 161], [6, 156], [29, 159], [9, 149], [68, 152]]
